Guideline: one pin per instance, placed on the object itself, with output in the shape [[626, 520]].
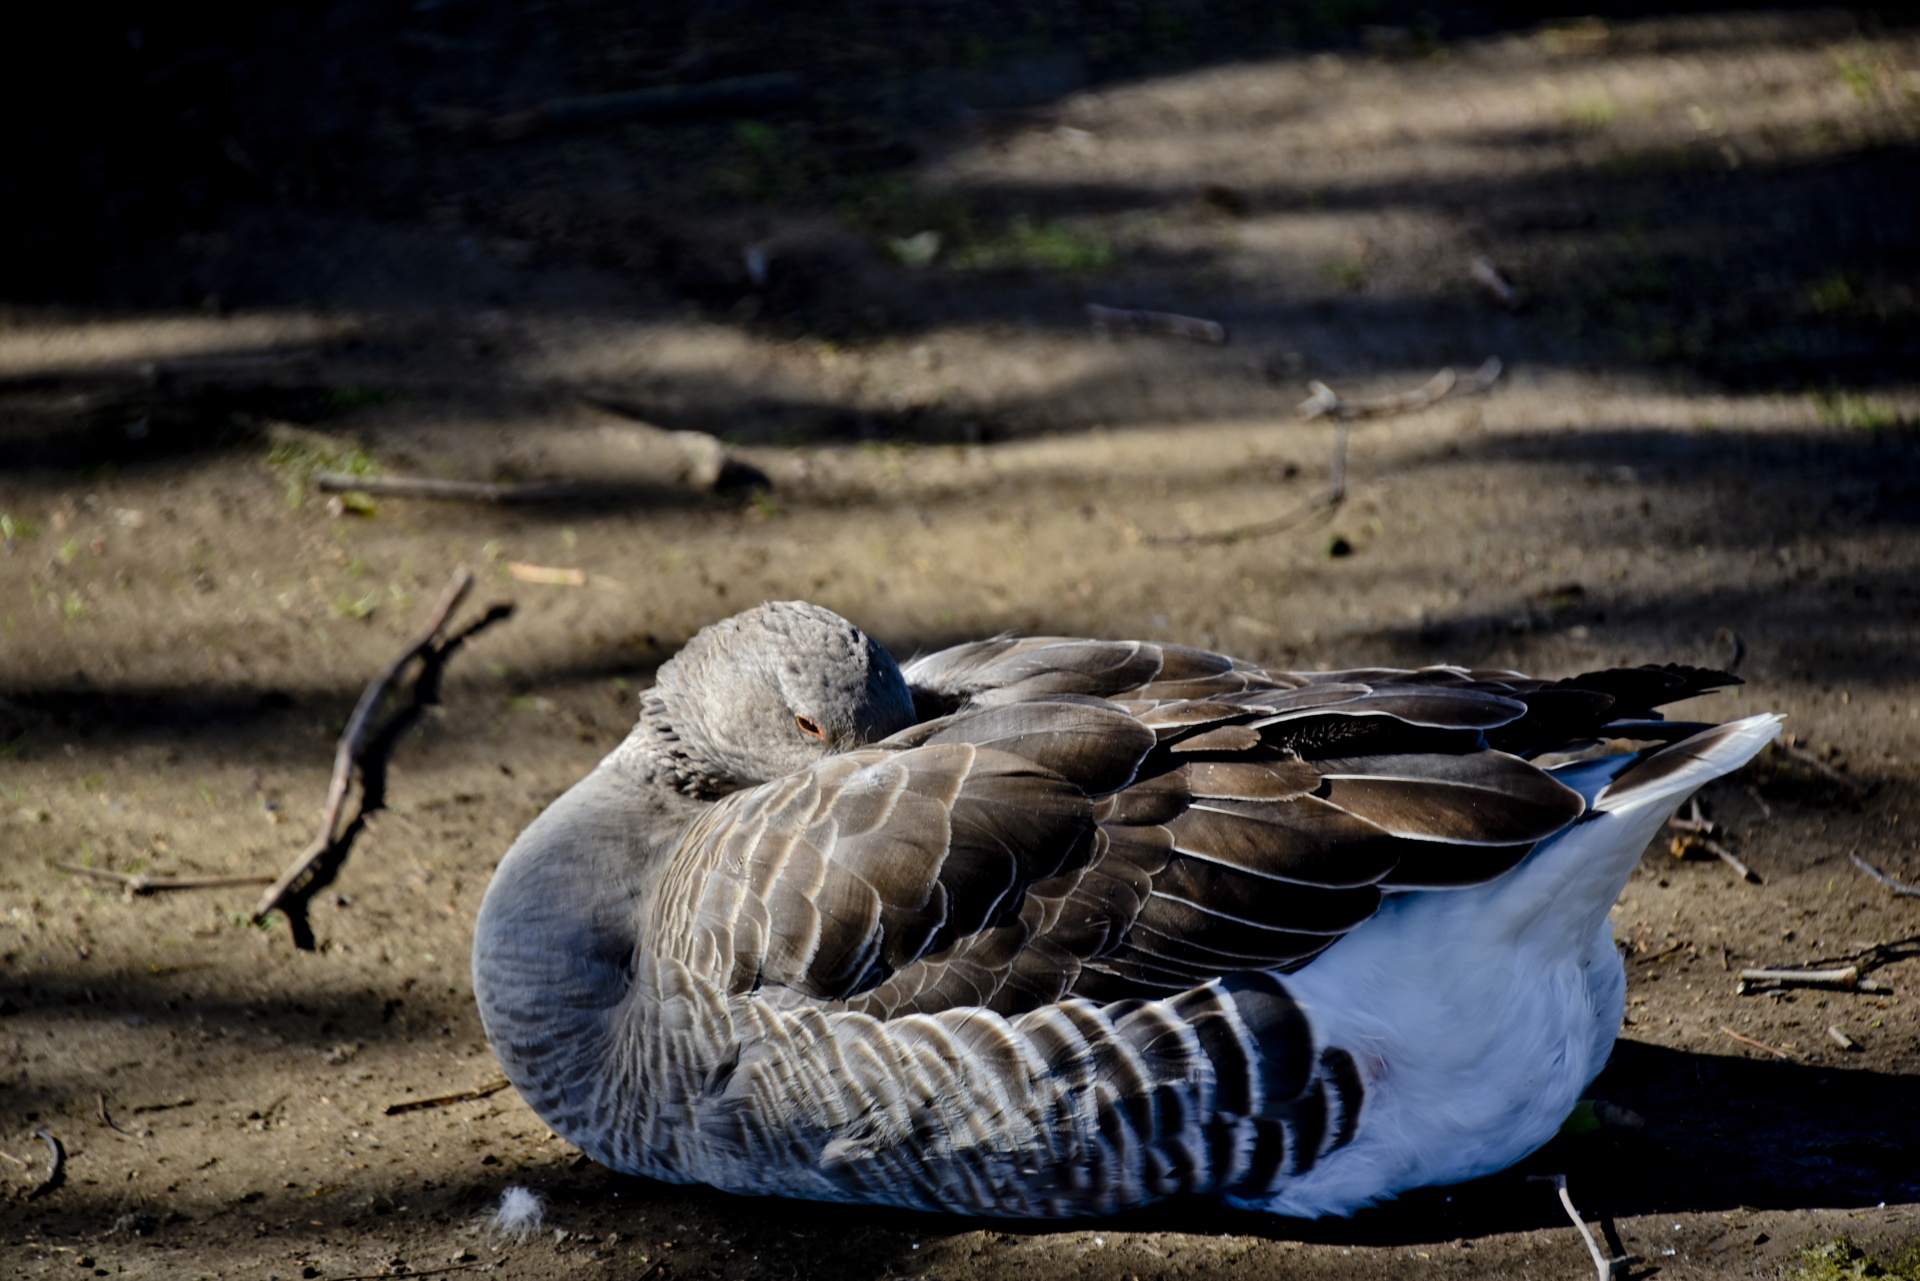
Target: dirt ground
[[268, 242]]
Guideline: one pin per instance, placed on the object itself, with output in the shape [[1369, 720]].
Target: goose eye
[[809, 728]]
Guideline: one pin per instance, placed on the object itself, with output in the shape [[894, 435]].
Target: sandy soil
[[1702, 449]]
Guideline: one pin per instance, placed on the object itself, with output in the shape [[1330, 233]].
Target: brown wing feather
[[831, 879], [1239, 820]]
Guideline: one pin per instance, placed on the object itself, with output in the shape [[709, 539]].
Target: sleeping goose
[[1047, 927]]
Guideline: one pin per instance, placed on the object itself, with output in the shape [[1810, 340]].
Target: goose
[[1046, 927]]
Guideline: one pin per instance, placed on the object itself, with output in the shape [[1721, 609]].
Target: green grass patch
[[1055, 247], [345, 605], [1855, 412], [1349, 274], [1858, 78], [1842, 1260], [297, 458], [1831, 294], [1594, 109], [17, 528]]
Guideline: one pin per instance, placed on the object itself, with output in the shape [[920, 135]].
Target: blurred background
[[1725, 191]]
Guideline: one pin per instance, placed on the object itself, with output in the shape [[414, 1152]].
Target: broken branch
[[1325, 400], [367, 755], [468, 491], [1847, 976], [1786, 745], [1726, 856], [552, 576], [106, 1118], [1336, 495], [422, 1272], [732, 95], [1901, 888], [1760, 1045], [141, 883], [1192, 328], [442, 1100], [56, 1165], [1695, 821], [1497, 286], [1697, 841]]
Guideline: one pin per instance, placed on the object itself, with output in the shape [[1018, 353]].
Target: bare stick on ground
[[551, 575], [442, 1100], [1604, 1267], [1695, 821], [1325, 401], [363, 752], [1899, 887], [106, 1118], [1777, 1053], [1787, 746], [1699, 831], [1726, 856], [1319, 507], [141, 883], [423, 1272], [56, 1165], [736, 95], [1847, 976], [465, 491], [1497, 286], [1192, 328]]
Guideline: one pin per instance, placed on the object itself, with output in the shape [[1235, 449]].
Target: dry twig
[[1695, 821], [1847, 976], [1726, 856], [1192, 328], [550, 575], [1761, 1045], [56, 1165], [1685, 846], [106, 1118], [141, 883], [362, 752], [1792, 750], [1325, 401], [467, 491], [1900, 888], [410, 1272], [1497, 286], [442, 1100], [731, 96], [1336, 494], [1604, 1267]]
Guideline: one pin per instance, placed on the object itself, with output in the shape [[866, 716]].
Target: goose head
[[765, 693]]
